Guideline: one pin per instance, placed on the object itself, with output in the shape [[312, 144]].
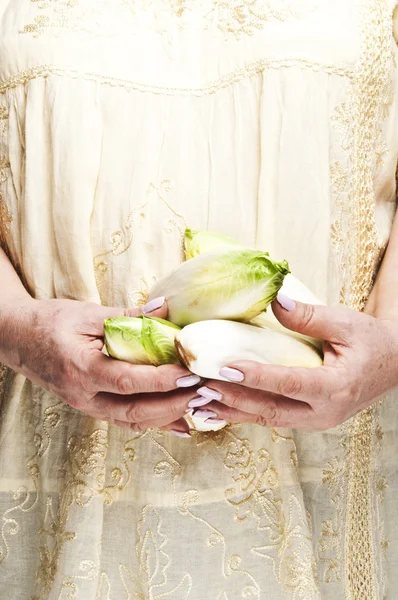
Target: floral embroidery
[[256, 494], [121, 239], [59, 15], [231, 17], [150, 580], [26, 498], [239, 17]]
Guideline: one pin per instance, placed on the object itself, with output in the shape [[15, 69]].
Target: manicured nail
[[153, 305], [188, 381], [209, 394], [286, 302], [196, 402], [232, 374], [205, 414], [181, 434], [216, 421]]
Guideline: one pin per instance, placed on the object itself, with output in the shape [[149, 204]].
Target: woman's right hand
[[58, 345]]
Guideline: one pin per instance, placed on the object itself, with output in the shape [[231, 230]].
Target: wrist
[[384, 314], [16, 320], [381, 310]]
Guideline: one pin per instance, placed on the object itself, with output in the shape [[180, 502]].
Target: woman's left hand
[[360, 366]]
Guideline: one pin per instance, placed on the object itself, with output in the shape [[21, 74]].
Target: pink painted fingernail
[[232, 374], [153, 305], [181, 434], [205, 414], [196, 402], [216, 421], [286, 302], [209, 394], [188, 381]]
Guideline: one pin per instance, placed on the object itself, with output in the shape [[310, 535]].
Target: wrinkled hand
[[360, 366], [58, 345]]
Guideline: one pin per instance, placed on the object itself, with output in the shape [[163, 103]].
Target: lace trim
[[372, 95], [21, 78]]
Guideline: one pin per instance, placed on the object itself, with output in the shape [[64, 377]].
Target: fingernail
[[181, 434], [232, 374], [216, 421], [153, 305], [204, 414], [188, 381], [196, 402], [286, 302], [209, 394]]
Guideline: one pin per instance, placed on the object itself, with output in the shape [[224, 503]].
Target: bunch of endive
[[220, 298]]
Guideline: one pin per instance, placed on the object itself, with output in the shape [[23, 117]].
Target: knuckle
[[229, 414], [330, 421], [258, 378], [124, 384], [73, 402], [264, 422], [307, 314], [136, 413], [291, 385], [175, 410], [236, 399], [345, 324], [138, 427], [352, 394], [269, 412], [159, 383]]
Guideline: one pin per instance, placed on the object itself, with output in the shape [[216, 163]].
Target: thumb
[[333, 325], [155, 308]]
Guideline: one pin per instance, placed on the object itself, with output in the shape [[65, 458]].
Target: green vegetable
[[197, 242], [225, 283], [141, 340]]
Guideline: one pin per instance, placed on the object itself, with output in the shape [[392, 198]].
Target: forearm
[[14, 301], [11, 287], [383, 301]]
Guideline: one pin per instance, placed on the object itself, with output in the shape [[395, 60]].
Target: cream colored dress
[[121, 122]]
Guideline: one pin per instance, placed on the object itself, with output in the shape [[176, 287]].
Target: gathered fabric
[[122, 123]]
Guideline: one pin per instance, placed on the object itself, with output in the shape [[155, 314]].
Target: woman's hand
[[360, 366], [58, 345]]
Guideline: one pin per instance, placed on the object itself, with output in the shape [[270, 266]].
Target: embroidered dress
[[122, 122]]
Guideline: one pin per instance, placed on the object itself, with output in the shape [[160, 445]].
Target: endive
[[296, 290], [204, 348], [236, 284], [141, 340], [196, 242]]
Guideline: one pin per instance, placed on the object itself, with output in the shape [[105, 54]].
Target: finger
[[297, 383], [109, 375], [334, 325], [264, 409], [233, 415], [97, 314], [179, 428], [141, 407]]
